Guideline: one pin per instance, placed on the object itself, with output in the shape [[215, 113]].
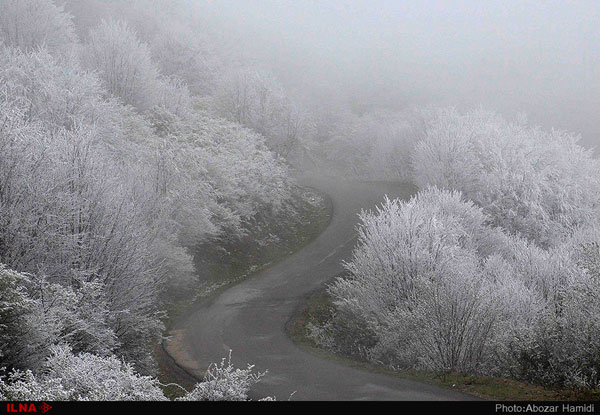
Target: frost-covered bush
[[88, 377], [224, 382], [417, 281], [80, 317], [555, 341], [37, 314], [441, 289], [543, 187], [84, 376], [24, 386]]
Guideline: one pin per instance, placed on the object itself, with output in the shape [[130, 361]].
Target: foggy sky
[[542, 57]]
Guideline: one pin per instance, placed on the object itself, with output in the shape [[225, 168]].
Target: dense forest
[[113, 164]]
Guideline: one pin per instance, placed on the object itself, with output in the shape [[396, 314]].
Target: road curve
[[250, 318]]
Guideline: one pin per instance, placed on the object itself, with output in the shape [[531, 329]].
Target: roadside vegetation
[[222, 262], [490, 270], [317, 311]]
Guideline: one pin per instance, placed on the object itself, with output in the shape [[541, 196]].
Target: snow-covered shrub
[[67, 376], [442, 290], [77, 316], [224, 382], [417, 281], [541, 186], [553, 341], [88, 377], [24, 386]]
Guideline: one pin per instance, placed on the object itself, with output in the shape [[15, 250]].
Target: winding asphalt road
[[250, 318]]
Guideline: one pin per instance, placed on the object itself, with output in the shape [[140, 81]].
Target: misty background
[[540, 57]]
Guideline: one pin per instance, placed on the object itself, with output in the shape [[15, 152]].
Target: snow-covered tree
[[255, 99], [127, 71], [108, 175], [33, 24], [416, 279], [375, 146], [437, 287], [123, 62], [541, 185], [15, 307]]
